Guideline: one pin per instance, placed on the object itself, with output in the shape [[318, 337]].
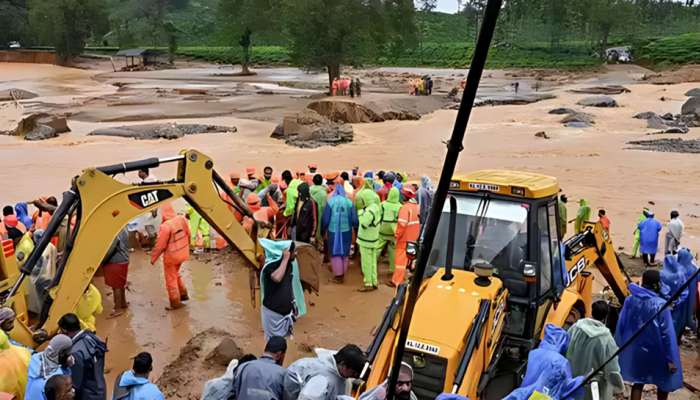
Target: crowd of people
[[346, 86], [340, 213], [422, 86]]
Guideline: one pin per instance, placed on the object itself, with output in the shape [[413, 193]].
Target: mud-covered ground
[[595, 163]]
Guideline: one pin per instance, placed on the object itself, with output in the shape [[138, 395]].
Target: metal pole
[[454, 147]]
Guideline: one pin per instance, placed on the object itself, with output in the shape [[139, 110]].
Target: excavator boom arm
[[106, 205]]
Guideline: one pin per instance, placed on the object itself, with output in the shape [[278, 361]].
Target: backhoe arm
[[104, 206], [594, 246]]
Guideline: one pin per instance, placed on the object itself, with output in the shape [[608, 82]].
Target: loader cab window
[[551, 266], [488, 230]]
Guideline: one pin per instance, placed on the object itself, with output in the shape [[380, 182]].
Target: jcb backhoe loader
[[101, 207], [488, 275], [496, 274]]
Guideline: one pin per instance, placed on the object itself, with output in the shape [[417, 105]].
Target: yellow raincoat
[[14, 364], [90, 305]]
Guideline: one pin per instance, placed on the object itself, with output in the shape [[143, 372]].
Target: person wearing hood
[[89, 305], [583, 215], [174, 244], [14, 361], [320, 195], [674, 233], [389, 178], [116, 269], [55, 360], [685, 259], [305, 217], [387, 229], [425, 198], [339, 220], [134, 384], [548, 371], [591, 345], [635, 243], [42, 275], [7, 323], [282, 295], [654, 357], [220, 388], [323, 377], [649, 238], [263, 378], [200, 231], [22, 212], [407, 230], [369, 216], [290, 194], [672, 279], [88, 352], [402, 390]]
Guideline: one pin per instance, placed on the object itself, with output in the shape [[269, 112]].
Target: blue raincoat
[[673, 277], [548, 371], [646, 359], [139, 388], [339, 219], [685, 259], [37, 376], [23, 216], [273, 252], [649, 235]]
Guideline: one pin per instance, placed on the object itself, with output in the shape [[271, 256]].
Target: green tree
[[428, 5], [13, 20], [605, 17], [66, 24], [330, 33], [241, 19]]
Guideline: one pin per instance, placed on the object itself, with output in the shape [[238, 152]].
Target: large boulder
[[598, 101], [645, 115], [693, 92], [562, 111], [692, 107], [345, 111], [309, 129], [160, 131], [661, 125], [578, 120], [34, 127]]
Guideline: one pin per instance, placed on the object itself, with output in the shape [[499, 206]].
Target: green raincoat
[[583, 215], [291, 195], [592, 344], [387, 229], [366, 195], [198, 225], [320, 196]]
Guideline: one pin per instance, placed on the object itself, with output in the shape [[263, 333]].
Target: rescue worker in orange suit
[[174, 244], [407, 230], [262, 214]]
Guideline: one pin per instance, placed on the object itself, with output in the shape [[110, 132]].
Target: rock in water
[[344, 111], [41, 132], [578, 120], [691, 107], [160, 131], [562, 111], [645, 115], [607, 90], [33, 127], [666, 126], [309, 129], [693, 92], [542, 134], [598, 101]]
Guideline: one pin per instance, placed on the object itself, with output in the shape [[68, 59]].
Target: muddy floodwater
[[595, 163]]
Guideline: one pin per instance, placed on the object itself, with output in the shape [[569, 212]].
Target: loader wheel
[[574, 315]]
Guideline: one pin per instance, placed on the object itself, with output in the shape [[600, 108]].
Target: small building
[[136, 57]]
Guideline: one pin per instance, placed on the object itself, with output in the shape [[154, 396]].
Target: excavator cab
[[507, 221]]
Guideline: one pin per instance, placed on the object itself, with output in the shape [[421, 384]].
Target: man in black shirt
[[278, 311]]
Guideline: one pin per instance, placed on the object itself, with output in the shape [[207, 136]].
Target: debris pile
[[667, 123], [204, 357], [675, 145], [309, 129], [16, 94], [39, 126], [353, 113], [160, 131]]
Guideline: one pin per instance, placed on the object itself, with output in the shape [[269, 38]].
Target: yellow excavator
[[101, 206], [496, 274], [490, 272]]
